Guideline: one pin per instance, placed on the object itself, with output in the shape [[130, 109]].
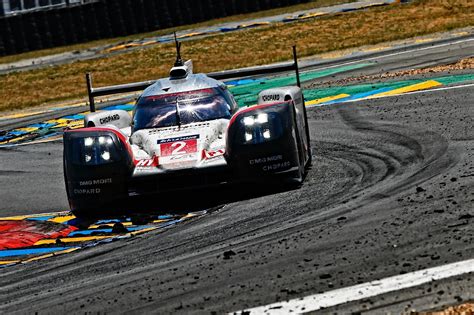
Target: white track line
[[390, 55], [315, 302], [419, 92], [433, 90]]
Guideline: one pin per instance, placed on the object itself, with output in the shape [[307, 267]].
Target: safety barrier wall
[[111, 18]]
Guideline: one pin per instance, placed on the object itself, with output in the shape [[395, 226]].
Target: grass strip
[[110, 41], [246, 48]]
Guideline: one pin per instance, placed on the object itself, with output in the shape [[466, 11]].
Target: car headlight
[[95, 150], [249, 121], [261, 127]]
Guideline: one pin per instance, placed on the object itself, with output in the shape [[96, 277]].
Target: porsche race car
[[185, 131]]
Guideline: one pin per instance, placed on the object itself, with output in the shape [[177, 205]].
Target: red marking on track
[[19, 234]]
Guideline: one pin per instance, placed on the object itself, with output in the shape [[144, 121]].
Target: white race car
[[185, 131]]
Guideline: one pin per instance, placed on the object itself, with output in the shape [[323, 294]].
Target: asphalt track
[[390, 192]]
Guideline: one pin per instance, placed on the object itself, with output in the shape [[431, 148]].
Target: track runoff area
[[71, 238], [316, 302], [322, 301]]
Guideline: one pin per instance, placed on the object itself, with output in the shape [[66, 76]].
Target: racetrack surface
[[391, 191], [32, 179], [391, 181]]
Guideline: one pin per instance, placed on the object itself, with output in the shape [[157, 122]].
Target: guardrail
[[221, 75]]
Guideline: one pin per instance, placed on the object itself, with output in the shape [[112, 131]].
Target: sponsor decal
[[92, 191], [192, 93], [147, 163], [176, 165], [144, 163], [182, 157], [276, 166], [266, 159], [183, 138], [213, 154], [273, 98], [102, 181], [108, 119], [179, 145]]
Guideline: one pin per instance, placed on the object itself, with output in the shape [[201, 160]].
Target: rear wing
[[221, 75]]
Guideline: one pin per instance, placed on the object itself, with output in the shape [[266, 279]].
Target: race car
[[185, 131]]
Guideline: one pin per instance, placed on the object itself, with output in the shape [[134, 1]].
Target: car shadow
[[198, 199]]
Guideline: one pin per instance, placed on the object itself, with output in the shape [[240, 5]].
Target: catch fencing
[[73, 24]]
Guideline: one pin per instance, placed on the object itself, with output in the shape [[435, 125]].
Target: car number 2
[[179, 147]]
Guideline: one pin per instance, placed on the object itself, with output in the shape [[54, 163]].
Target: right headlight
[[261, 127]]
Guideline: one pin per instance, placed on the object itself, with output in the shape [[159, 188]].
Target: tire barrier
[[110, 18]]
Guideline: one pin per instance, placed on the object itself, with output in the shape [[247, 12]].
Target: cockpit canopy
[[182, 108]]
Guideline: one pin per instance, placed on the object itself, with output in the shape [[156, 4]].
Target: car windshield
[[180, 108]]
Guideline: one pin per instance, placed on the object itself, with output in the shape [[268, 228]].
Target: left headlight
[[95, 150]]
